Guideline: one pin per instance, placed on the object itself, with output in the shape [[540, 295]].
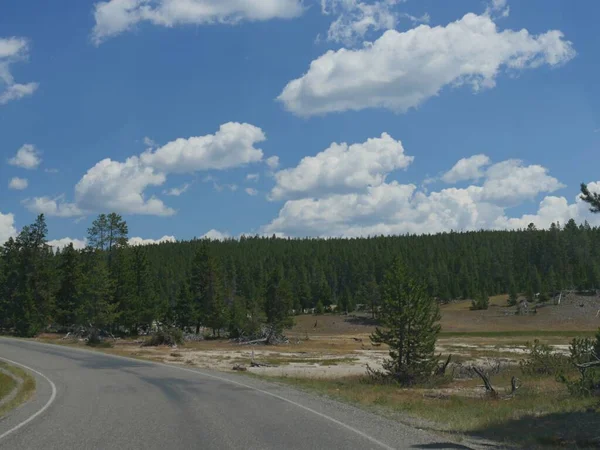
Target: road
[[88, 400]]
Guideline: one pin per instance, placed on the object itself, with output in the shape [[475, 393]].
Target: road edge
[[38, 412]]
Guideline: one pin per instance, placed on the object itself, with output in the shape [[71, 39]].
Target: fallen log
[[257, 364], [256, 341]]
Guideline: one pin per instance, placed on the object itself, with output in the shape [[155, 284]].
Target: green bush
[[165, 336], [582, 353], [480, 303], [542, 360], [319, 308]]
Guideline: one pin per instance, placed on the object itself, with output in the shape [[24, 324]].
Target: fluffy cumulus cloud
[[407, 68], [116, 16], [7, 227], [18, 184], [12, 50], [272, 162], [395, 208], [251, 191], [135, 241], [121, 186], [52, 207], [342, 168], [78, 244], [27, 157], [232, 146], [467, 169], [216, 235], [554, 210], [510, 182]]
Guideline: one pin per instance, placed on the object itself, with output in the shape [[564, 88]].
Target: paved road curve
[[106, 402]]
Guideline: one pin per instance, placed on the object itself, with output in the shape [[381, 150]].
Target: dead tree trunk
[[486, 381], [514, 385], [441, 370]]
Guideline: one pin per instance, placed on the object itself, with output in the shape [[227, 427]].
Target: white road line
[[197, 372], [44, 408], [306, 408]]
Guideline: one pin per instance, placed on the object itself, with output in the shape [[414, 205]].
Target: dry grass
[[7, 384], [26, 389], [523, 419]]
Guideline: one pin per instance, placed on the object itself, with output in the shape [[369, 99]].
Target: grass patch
[[282, 361], [542, 411], [7, 384], [517, 333], [26, 389]]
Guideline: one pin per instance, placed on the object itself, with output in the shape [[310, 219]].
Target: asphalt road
[[87, 400]]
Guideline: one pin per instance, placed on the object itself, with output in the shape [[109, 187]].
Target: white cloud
[[510, 182], [177, 191], [356, 18], [27, 157], [407, 68], [52, 207], [342, 168], [394, 208], [13, 49], [498, 9], [232, 146], [119, 186], [18, 184], [221, 187], [149, 142], [215, 235], [78, 244], [251, 191], [467, 169], [253, 177], [116, 16], [135, 241], [272, 162], [554, 210], [7, 225]]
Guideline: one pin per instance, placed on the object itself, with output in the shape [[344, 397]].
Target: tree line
[[236, 286]]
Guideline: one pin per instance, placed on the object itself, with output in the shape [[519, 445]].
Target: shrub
[[583, 353], [542, 360], [480, 303], [319, 308], [165, 336]]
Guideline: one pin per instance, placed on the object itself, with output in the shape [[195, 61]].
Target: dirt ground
[[338, 346]]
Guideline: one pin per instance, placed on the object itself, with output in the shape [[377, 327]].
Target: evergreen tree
[[238, 318], [68, 297], [410, 318], [207, 286], [481, 302], [278, 302], [96, 308], [592, 198], [319, 308], [145, 302], [184, 313], [513, 295], [124, 290]]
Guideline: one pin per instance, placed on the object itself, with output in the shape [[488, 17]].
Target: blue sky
[[452, 121]]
